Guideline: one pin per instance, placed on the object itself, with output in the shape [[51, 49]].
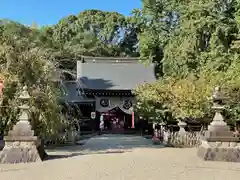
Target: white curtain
[[113, 103]]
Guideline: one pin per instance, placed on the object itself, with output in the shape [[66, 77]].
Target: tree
[[159, 20], [94, 33], [199, 52], [203, 39], [23, 63], [91, 33]]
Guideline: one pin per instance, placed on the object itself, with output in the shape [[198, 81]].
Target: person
[[122, 124], [101, 124], [114, 123], [117, 123]]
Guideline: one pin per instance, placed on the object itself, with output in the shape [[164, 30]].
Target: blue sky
[[47, 12]]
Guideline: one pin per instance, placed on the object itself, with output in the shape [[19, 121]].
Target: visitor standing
[[122, 124], [101, 124]]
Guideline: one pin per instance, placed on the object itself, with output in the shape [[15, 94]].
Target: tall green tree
[[199, 52], [206, 31], [22, 62], [94, 33], [159, 20]]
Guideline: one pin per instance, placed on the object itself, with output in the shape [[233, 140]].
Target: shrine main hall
[[103, 87]]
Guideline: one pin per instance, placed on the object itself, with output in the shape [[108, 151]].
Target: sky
[[48, 12]]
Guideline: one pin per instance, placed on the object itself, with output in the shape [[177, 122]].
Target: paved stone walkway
[[116, 157]]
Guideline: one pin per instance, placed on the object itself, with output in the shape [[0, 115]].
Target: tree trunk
[[41, 150]]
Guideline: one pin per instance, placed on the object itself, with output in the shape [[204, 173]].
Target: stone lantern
[[218, 128], [219, 143], [182, 126], [20, 143]]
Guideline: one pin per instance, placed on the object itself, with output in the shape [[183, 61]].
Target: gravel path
[[116, 157]]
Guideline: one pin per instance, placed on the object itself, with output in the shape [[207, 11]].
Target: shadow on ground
[[100, 144], [103, 144], [64, 156]]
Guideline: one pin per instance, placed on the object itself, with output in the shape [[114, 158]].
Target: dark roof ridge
[[111, 59]]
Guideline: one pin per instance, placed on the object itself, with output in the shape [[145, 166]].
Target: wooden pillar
[[133, 120]]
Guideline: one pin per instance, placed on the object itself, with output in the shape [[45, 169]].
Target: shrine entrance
[[115, 113], [115, 120]]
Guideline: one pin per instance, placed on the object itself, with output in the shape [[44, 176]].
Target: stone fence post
[[182, 126], [182, 133]]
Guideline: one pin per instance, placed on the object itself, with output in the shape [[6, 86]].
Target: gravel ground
[[116, 157]]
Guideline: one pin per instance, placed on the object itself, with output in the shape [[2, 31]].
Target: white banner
[[125, 104]]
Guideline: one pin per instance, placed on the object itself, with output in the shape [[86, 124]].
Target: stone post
[[72, 135], [182, 126], [182, 132], [219, 143], [162, 129], [20, 143]]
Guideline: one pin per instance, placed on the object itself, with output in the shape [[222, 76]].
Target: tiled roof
[[114, 73], [72, 94]]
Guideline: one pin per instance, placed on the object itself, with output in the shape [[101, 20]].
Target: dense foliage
[[22, 62], [200, 50], [93, 33]]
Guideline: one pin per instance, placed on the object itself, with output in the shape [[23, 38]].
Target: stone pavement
[[121, 157]]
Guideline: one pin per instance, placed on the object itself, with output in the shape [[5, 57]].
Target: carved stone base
[[219, 151], [20, 151]]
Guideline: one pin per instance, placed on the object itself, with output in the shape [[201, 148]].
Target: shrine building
[[103, 87]]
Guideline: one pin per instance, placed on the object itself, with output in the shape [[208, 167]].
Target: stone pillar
[[182, 132], [20, 143], [162, 129], [219, 143], [155, 130], [182, 126], [72, 135]]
